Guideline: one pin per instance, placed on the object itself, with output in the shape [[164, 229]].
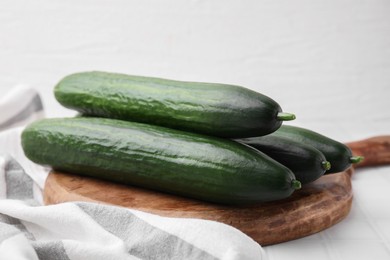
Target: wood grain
[[315, 207], [376, 151]]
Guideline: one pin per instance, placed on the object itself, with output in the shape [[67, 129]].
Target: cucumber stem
[[296, 184], [356, 159], [326, 165], [285, 116]]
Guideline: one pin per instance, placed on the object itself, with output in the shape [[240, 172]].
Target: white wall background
[[326, 61]]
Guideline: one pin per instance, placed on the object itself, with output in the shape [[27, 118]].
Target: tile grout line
[[371, 223], [328, 245]]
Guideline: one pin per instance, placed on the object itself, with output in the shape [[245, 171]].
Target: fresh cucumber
[[189, 164], [305, 161], [338, 154], [213, 109]]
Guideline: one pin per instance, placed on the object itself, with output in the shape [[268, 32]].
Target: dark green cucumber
[[305, 161], [179, 162], [213, 109], [338, 154]]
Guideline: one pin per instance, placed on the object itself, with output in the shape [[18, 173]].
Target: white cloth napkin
[[81, 230]]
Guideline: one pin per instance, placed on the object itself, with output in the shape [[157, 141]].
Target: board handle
[[375, 150]]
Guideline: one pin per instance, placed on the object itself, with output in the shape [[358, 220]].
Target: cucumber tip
[[356, 159], [326, 165], [296, 184], [282, 116]]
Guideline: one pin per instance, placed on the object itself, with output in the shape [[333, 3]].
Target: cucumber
[[306, 162], [188, 164], [338, 154], [214, 109]]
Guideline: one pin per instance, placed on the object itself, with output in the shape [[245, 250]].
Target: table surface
[[326, 61]]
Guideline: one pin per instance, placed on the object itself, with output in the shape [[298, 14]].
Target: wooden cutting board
[[315, 207]]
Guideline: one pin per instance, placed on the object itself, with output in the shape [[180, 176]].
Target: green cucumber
[[188, 164], [339, 155], [306, 162], [214, 109]]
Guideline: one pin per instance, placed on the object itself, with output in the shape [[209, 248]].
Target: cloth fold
[[84, 230]]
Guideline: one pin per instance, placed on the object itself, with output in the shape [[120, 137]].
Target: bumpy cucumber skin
[[202, 167], [336, 153], [304, 161], [213, 109]]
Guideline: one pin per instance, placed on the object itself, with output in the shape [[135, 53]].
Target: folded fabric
[[84, 230], [19, 106]]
